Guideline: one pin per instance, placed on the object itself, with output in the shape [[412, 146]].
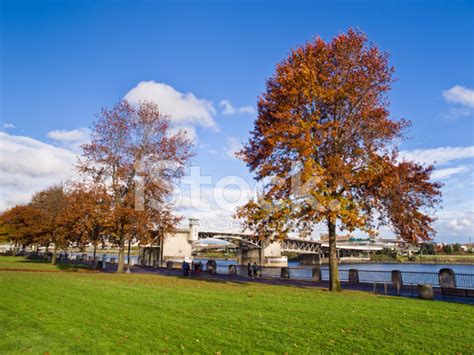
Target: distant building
[[339, 238]]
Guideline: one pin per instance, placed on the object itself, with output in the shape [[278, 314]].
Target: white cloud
[[455, 225], [7, 125], [233, 146], [460, 224], [74, 135], [460, 95], [440, 174], [72, 139], [218, 215], [455, 219], [29, 165], [457, 112], [229, 109], [182, 108], [439, 156]]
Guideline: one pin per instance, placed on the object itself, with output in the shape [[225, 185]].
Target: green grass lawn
[[13, 262], [93, 312]]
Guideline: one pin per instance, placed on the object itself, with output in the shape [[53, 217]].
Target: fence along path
[[364, 276]]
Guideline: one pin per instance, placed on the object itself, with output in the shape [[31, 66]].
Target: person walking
[[249, 271], [199, 268], [183, 267], [186, 268], [254, 270]]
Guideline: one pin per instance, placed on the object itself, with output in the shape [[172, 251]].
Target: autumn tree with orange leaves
[[23, 225], [88, 217], [60, 217], [52, 202], [138, 158], [324, 144]]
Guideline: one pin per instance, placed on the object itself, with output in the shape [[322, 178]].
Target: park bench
[[447, 282]]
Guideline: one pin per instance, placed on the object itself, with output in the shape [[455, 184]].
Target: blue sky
[[63, 60]]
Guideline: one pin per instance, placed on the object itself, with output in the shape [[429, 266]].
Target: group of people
[[61, 256], [253, 271], [195, 268]]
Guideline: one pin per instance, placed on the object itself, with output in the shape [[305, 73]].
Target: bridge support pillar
[[268, 255], [316, 274], [250, 256], [309, 259]]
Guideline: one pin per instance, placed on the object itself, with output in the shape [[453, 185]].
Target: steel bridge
[[294, 245]]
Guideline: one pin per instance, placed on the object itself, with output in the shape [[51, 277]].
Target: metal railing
[[465, 281], [365, 276]]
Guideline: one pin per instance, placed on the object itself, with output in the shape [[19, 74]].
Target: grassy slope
[[71, 312]]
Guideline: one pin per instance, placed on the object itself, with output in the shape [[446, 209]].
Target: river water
[[407, 267]]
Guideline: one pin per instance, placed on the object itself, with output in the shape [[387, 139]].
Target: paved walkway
[[409, 291]]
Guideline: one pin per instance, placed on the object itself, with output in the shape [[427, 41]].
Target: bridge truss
[[300, 246]]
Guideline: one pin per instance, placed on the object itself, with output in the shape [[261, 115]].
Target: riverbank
[[447, 259], [465, 259], [422, 259], [109, 313]]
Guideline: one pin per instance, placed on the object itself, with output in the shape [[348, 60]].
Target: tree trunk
[[94, 261], [55, 255], [334, 283], [121, 257]]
